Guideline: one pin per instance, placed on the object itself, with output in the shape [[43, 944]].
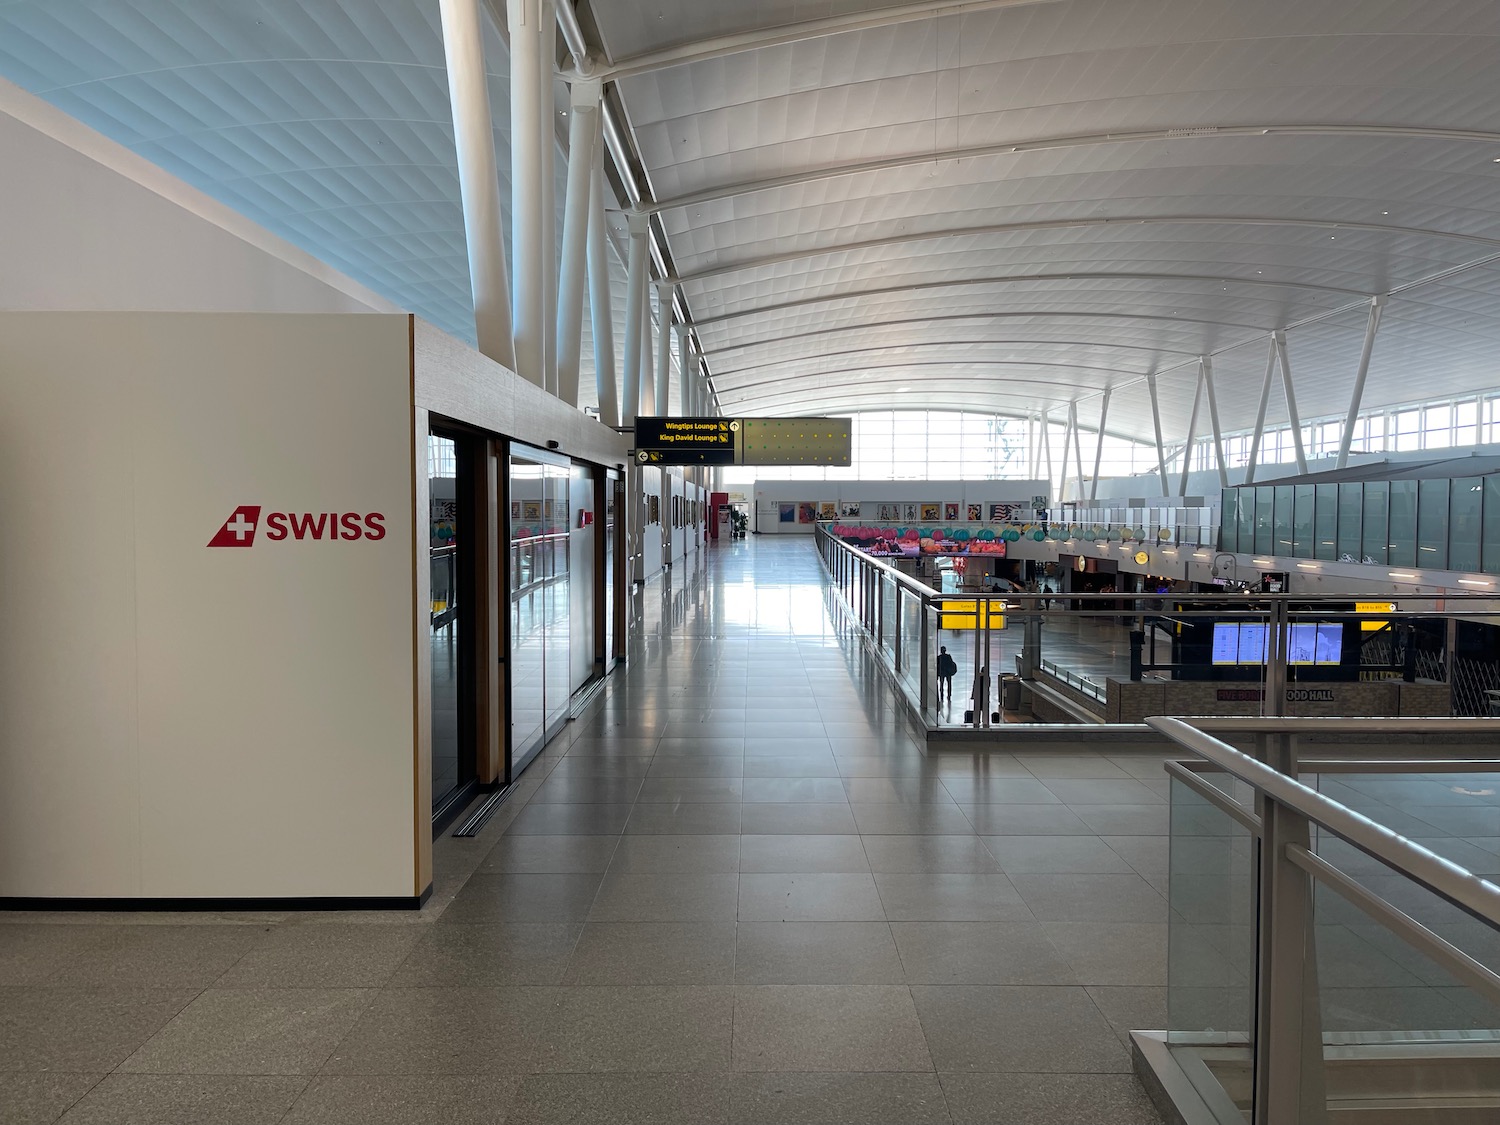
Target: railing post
[[879, 609], [1289, 1084], [925, 657], [1276, 642], [982, 605], [900, 590]]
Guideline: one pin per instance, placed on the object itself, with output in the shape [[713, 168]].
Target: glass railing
[[1116, 657], [1334, 933]]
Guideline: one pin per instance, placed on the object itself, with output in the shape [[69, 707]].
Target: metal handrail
[[1465, 890], [1440, 604], [1352, 726]]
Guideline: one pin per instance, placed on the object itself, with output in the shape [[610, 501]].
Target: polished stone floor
[[737, 889]]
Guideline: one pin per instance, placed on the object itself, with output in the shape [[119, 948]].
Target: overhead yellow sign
[[1374, 607], [970, 614]]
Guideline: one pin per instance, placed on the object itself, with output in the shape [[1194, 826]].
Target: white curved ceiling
[[1002, 205], [1014, 206]]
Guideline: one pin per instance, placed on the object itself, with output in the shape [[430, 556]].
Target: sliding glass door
[[540, 585], [451, 631]]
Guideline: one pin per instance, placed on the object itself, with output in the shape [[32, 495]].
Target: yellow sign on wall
[[970, 614]]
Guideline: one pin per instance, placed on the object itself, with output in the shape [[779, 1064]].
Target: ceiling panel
[[839, 238]]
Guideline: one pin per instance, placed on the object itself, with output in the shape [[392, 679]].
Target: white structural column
[[547, 167], [1099, 445], [1077, 445], [1206, 373], [1260, 414], [683, 407], [1278, 341], [529, 301], [1044, 423], [601, 301], [1062, 470], [583, 149], [1372, 326], [635, 317], [478, 181], [647, 403], [1161, 449], [663, 350], [1187, 448]]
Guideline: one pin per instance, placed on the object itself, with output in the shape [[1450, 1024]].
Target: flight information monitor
[[1249, 643]]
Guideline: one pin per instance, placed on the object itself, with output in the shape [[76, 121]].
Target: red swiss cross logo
[[238, 529]]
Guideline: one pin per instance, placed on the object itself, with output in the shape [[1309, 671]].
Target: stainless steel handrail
[[1352, 726], [1465, 890]]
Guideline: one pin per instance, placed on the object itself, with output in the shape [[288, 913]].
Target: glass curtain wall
[[539, 601], [1435, 523]]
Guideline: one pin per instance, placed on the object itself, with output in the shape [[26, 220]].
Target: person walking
[[947, 668]]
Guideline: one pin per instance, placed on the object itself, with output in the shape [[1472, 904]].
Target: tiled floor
[[738, 891]]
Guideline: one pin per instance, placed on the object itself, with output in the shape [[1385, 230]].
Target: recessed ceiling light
[[1495, 160], [1385, 212], [902, 390]]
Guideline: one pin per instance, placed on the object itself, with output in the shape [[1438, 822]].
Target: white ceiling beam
[[1066, 141], [778, 338], [781, 34], [1093, 221], [955, 365], [789, 365], [967, 282]]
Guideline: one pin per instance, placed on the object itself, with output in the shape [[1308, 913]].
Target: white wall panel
[[184, 721]]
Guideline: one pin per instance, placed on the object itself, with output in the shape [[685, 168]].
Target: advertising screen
[[1314, 644]]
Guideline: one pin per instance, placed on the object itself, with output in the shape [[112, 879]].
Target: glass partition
[[1432, 523], [449, 620], [1351, 513], [1465, 507], [1211, 937], [1303, 545], [1265, 540], [539, 601], [1325, 522], [1490, 546], [1376, 497], [1281, 533], [1401, 539]]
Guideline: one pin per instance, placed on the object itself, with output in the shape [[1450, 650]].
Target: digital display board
[[686, 441], [743, 441], [1248, 643]]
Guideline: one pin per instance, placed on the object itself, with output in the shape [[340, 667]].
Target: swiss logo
[[240, 528]]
